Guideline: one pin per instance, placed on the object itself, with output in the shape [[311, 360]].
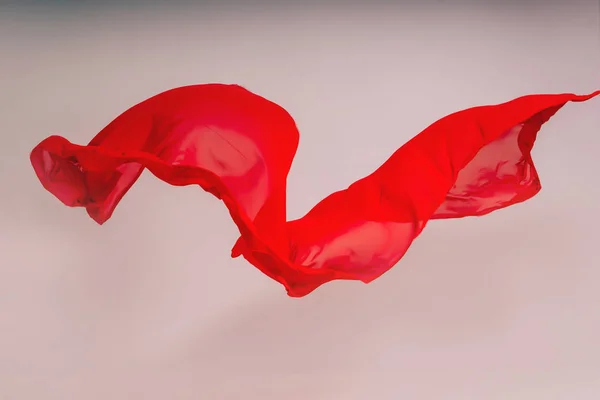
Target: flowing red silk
[[239, 147]]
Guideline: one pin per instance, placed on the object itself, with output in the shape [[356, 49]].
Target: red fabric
[[239, 147]]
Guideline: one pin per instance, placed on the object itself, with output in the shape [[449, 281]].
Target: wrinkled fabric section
[[239, 147]]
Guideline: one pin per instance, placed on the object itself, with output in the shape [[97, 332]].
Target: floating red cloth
[[239, 147]]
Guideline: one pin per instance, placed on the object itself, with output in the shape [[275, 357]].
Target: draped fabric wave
[[240, 146]]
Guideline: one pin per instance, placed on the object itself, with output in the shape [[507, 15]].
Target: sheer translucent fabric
[[239, 147]]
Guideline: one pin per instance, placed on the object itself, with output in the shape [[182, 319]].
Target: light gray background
[[150, 306]]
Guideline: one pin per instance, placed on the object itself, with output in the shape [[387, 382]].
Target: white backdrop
[[149, 306]]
